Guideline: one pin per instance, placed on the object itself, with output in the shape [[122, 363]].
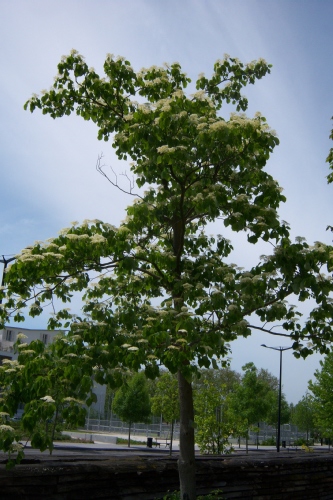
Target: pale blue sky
[[48, 176]]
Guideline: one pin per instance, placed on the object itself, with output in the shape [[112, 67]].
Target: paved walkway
[[110, 440]]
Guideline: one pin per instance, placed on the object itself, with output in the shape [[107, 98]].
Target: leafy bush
[[269, 442], [303, 441]]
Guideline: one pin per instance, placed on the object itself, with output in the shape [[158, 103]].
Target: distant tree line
[[228, 403]]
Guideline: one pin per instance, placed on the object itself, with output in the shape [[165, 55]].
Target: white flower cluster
[[11, 362], [21, 346], [145, 108], [69, 399], [4, 427], [56, 255], [320, 247], [76, 236], [64, 231], [48, 399], [21, 336], [97, 238], [30, 257], [165, 149]]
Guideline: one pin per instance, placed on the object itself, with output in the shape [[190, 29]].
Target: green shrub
[[125, 441], [303, 441]]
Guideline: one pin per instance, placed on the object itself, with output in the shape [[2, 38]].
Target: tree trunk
[[171, 436], [186, 461], [258, 435], [129, 434]]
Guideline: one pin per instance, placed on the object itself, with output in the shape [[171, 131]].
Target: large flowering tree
[[157, 289]]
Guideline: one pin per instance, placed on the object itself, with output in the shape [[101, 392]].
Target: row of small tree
[[226, 403], [313, 414]]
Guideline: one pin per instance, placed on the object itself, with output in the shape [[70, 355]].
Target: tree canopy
[[214, 424], [321, 407], [303, 415], [165, 401], [158, 290], [251, 398], [132, 403], [52, 383]]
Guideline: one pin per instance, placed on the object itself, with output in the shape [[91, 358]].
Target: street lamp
[[281, 349], [5, 261]]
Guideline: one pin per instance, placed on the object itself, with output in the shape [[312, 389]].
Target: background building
[[8, 337]]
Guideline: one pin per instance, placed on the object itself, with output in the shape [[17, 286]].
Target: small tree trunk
[[129, 434], [171, 435], [258, 435], [54, 428], [186, 461]]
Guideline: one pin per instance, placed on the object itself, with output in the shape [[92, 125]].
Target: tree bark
[[186, 462], [171, 436], [129, 434]]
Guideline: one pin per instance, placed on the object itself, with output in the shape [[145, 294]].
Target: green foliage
[[213, 421], [252, 398], [321, 405], [273, 409], [9, 441], [197, 166], [269, 442], [273, 395], [49, 385], [222, 377], [109, 395], [133, 441], [304, 442], [131, 402], [165, 400], [303, 415], [164, 291]]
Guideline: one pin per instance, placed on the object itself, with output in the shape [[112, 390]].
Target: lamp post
[[281, 349], [5, 261]]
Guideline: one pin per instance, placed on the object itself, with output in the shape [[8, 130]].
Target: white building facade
[[8, 337]]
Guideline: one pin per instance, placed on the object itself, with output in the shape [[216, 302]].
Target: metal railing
[[6, 347], [113, 424], [158, 428]]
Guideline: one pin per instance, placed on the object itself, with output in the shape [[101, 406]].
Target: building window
[[9, 335], [44, 338]]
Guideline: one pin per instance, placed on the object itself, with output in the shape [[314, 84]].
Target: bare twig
[[99, 168]]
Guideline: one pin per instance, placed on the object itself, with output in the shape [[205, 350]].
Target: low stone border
[[259, 476]]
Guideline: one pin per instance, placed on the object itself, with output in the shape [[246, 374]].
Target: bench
[[159, 441], [292, 445]]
